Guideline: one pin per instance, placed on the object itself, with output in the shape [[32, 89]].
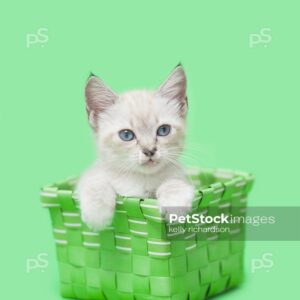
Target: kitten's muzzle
[[149, 152]]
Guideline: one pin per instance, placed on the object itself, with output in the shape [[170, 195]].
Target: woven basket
[[137, 257]]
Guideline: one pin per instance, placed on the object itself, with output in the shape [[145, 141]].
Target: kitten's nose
[[149, 152]]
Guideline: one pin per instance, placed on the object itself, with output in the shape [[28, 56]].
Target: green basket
[[137, 257]]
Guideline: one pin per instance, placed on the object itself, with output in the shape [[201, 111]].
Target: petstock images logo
[[252, 223]]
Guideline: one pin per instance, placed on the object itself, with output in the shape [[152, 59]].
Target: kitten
[[139, 135]]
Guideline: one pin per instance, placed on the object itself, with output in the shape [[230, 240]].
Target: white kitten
[[139, 135]]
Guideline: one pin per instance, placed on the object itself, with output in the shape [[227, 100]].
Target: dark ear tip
[[91, 75], [179, 65]]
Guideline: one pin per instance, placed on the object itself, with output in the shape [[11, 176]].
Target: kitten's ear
[[98, 98], [174, 88]]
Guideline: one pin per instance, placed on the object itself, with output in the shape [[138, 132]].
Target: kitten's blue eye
[[163, 130], [126, 135]]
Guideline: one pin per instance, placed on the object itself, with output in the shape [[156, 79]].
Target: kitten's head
[[140, 131]]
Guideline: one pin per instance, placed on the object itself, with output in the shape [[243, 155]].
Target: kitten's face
[[140, 131]]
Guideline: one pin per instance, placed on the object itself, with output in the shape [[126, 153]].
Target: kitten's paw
[[97, 206], [97, 217], [175, 198]]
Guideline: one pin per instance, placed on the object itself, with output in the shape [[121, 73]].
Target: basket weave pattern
[[136, 257]]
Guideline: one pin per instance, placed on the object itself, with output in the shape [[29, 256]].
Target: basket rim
[[223, 177]]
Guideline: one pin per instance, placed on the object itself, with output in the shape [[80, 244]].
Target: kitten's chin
[[150, 167]]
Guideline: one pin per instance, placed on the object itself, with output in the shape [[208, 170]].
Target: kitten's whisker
[[188, 158], [198, 149], [174, 162]]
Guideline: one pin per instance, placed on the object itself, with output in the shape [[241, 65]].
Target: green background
[[244, 111]]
